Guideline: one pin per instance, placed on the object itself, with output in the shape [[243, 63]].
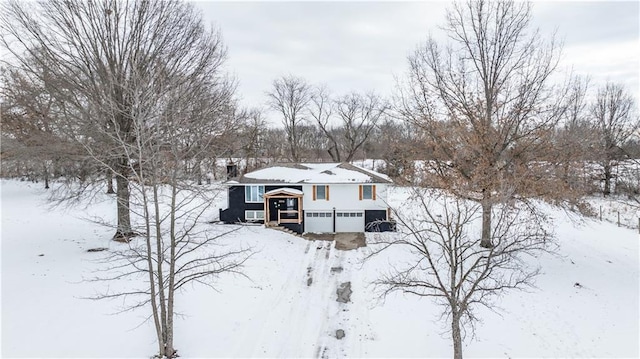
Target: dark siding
[[376, 221], [237, 205]]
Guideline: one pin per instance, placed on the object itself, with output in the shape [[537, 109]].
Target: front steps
[[274, 225]]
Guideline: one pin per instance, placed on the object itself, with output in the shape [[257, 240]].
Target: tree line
[[134, 92], [594, 128]]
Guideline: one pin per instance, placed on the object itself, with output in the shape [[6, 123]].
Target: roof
[[316, 173], [291, 191]]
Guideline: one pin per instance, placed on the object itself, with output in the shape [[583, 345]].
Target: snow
[[286, 190], [274, 313], [314, 173], [616, 209]]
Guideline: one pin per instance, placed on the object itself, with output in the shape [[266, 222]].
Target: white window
[[254, 215], [321, 193], [367, 192], [253, 194]]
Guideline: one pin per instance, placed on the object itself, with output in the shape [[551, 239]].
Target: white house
[[311, 197]]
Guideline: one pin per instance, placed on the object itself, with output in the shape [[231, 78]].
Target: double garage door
[[322, 221]]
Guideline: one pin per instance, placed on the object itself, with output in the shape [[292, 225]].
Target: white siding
[[345, 197]]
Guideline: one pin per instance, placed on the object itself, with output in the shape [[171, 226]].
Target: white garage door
[[318, 222], [349, 221]]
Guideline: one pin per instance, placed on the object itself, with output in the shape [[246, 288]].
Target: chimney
[[232, 170]]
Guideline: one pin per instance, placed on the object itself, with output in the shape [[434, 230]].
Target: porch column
[[300, 210], [265, 207]]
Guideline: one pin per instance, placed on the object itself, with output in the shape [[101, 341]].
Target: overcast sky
[[361, 46]]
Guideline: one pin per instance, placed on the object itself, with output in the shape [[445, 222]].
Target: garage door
[[318, 222], [349, 221]]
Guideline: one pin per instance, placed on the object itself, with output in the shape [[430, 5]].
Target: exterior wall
[[235, 212], [344, 197], [237, 206]]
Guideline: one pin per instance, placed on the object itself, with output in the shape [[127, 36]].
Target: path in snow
[[304, 313]]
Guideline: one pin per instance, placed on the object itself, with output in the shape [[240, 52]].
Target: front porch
[[283, 207]]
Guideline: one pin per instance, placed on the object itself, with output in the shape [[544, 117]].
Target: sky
[[363, 46]]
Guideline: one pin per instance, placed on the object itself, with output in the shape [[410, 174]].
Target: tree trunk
[[170, 351], [46, 177], [485, 241], [123, 231], [607, 179], [456, 335], [350, 157], [197, 171], [334, 153], [110, 182]]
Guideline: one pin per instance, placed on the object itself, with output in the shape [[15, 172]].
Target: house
[[311, 197]]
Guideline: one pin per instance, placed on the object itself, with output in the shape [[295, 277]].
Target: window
[[291, 203], [253, 193], [367, 192], [348, 214], [254, 215], [319, 214], [321, 192]]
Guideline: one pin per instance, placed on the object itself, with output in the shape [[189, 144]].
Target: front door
[[274, 205]]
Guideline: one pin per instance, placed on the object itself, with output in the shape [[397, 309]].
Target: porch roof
[[289, 191]]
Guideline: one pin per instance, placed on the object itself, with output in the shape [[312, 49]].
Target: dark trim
[[334, 219]]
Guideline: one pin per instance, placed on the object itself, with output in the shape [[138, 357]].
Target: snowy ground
[[276, 314], [616, 209]]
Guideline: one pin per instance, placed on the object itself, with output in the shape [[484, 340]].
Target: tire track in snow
[[352, 317], [260, 336], [291, 318], [308, 314]]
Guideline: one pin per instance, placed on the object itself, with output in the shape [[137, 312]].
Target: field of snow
[[275, 313]]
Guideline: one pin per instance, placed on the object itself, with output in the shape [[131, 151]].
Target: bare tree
[[31, 118], [485, 104], [615, 120], [574, 140], [290, 96], [251, 137], [102, 55], [321, 110], [177, 248], [359, 115], [448, 264], [168, 208]]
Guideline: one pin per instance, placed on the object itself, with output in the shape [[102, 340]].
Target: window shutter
[[360, 192], [326, 192], [373, 192], [314, 192]]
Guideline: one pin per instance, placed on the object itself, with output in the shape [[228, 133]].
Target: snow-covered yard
[[275, 313]]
